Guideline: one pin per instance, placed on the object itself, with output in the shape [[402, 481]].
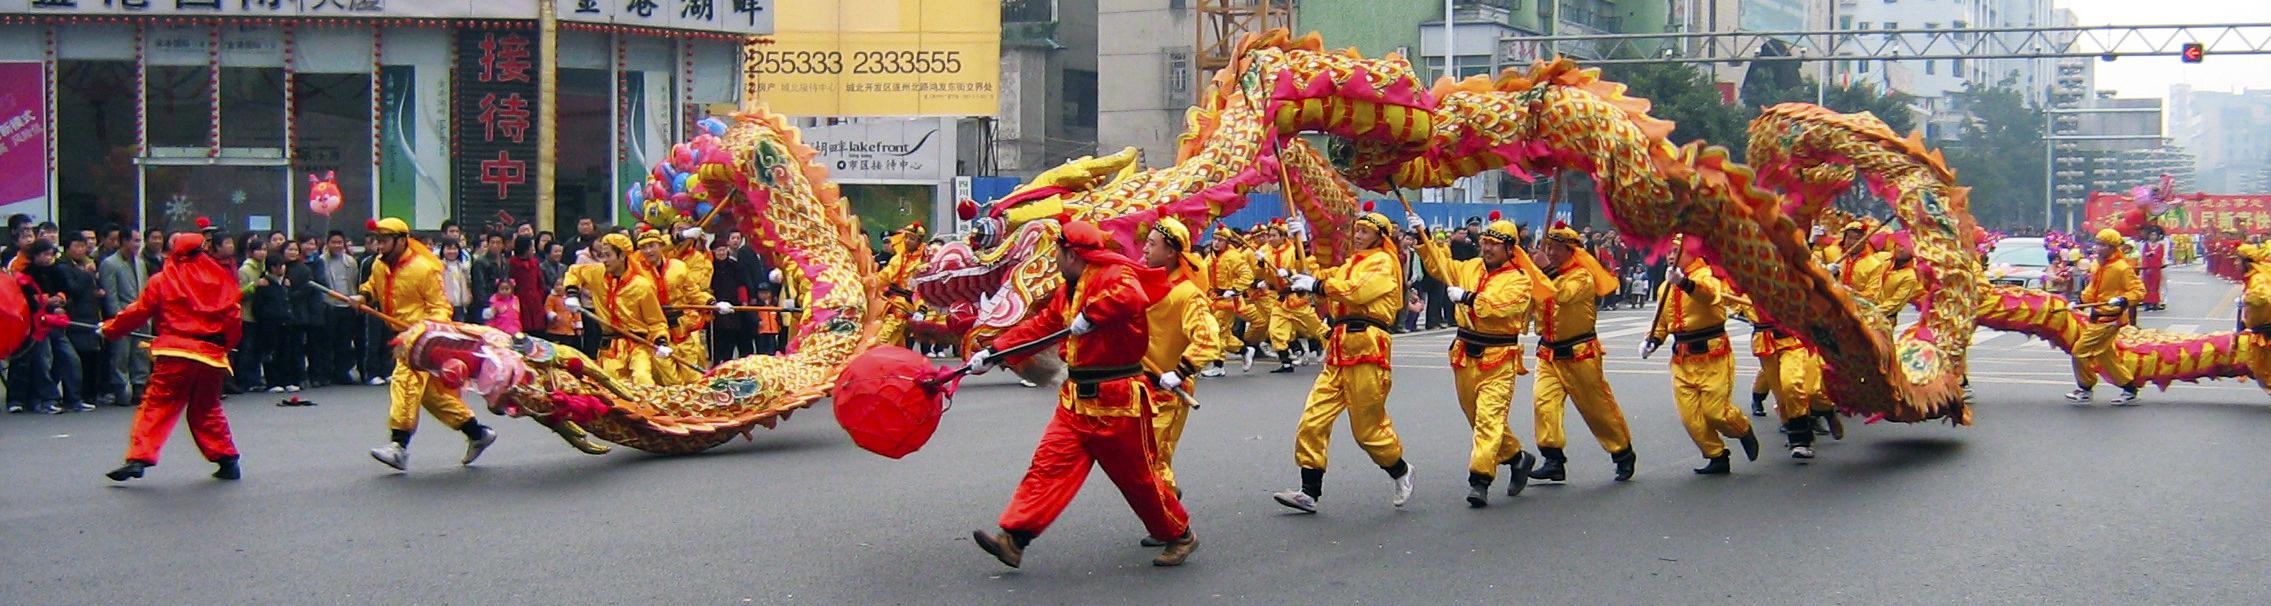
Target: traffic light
[[2194, 52]]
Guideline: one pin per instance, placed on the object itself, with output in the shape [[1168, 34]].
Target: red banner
[[2190, 213]]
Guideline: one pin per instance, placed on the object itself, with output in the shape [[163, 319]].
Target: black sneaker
[[1717, 466], [1520, 479], [226, 469], [132, 469]]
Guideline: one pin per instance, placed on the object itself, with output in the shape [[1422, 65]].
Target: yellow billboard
[[878, 58]]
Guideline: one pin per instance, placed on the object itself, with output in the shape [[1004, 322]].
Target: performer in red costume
[[1104, 410], [2153, 259], [195, 303]]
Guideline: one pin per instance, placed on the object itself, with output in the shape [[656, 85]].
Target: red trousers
[[175, 384], [1122, 446], [2152, 279]]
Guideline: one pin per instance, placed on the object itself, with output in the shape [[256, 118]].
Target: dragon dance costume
[[1293, 315], [2255, 312], [1494, 301], [1104, 413], [2113, 291], [1183, 340], [1792, 372], [1236, 309], [195, 303], [1569, 362], [1363, 296], [626, 300], [1703, 369], [682, 284], [906, 246], [406, 282]]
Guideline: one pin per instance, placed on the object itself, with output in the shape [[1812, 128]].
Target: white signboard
[[920, 150], [750, 17]]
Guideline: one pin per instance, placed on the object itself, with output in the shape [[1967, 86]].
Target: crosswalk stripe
[[2184, 328]]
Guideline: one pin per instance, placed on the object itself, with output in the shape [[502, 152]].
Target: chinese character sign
[[879, 58], [746, 17], [2190, 213], [23, 137], [496, 121]]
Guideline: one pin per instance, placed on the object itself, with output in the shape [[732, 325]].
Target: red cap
[[1494, 215], [1561, 225], [966, 209], [1367, 206], [204, 222], [368, 224]]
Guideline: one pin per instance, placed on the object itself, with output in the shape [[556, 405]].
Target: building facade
[[162, 112]]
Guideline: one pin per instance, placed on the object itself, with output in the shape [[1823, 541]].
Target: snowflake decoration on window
[[237, 197], [179, 209]]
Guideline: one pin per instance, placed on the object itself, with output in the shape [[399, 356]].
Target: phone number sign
[[926, 58]]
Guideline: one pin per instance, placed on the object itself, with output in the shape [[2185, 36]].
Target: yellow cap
[[388, 226], [2108, 236]]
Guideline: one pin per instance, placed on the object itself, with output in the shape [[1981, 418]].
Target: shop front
[[153, 113]]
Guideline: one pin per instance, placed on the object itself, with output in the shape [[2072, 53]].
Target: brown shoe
[[1836, 426], [1178, 551], [1000, 544]]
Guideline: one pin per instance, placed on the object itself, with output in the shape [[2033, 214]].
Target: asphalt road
[[2040, 502]]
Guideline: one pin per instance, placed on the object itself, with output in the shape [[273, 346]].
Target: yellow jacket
[[1501, 297], [1233, 269], [1184, 336], [1369, 286], [410, 289], [1692, 309], [1288, 256], [2114, 277], [1571, 312], [627, 302], [2258, 296], [1896, 287], [1864, 271]]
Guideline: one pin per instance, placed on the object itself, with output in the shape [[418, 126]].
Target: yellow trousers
[[1362, 391], [2255, 350], [629, 362], [1289, 322], [2094, 352], [893, 330], [1797, 385], [1580, 381], [693, 352], [1768, 374], [1485, 395], [1227, 321], [1167, 429], [1702, 386], [408, 390]]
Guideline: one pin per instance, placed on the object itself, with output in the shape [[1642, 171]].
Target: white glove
[[981, 362], [1080, 325], [1304, 283], [690, 233], [1170, 380], [724, 307], [1649, 347], [1458, 295], [1261, 284], [1284, 273], [1834, 268], [774, 277], [1416, 224], [788, 304], [551, 317], [662, 351], [489, 314], [917, 316], [575, 304]]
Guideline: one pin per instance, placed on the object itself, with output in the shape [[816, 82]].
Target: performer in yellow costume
[[406, 283], [1183, 338], [1231, 271], [1493, 294], [1793, 372], [1292, 315], [2255, 312], [1703, 369], [898, 276], [623, 295], [681, 285], [2113, 290], [1569, 358], [1363, 296], [1855, 260], [1897, 285]]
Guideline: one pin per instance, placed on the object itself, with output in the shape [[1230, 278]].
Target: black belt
[[1769, 329], [1361, 323], [1566, 348], [1488, 340], [1086, 380], [214, 339], [1699, 341]]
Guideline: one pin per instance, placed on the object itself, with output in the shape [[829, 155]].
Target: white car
[[2022, 262]]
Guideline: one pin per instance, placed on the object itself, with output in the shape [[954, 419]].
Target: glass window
[[1080, 98], [95, 171], [236, 198], [252, 107], [1931, 67], [331, 114], [180, 105], [581, 186], [1845, 22]]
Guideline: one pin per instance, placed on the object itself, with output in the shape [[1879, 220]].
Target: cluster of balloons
[[675, 187]]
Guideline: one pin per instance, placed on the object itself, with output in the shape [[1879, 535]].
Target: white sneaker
[[375, 381], [291, 389], [2125, 398], [2078, 395], [393, 455], [1801, 452], [1297, 500], [1027, 383], [276, 389], [474, 447], [1403, 486], [1248, 361], [1212, 372]]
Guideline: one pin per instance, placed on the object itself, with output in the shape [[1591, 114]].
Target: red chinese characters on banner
[[2194, 213], [504, 58], [504, 116], [504, 172], [496, 108]]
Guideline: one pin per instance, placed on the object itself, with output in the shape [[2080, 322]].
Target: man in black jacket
[[489, 266], [735, 333], [52, 360], [84, 305]]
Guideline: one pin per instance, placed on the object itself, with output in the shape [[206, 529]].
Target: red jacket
[[1114, 301], [194, 301]]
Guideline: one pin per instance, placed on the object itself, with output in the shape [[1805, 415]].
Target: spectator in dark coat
[[84, 305], [736, 334]]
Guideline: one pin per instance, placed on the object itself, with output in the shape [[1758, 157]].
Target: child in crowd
[[503, 312]]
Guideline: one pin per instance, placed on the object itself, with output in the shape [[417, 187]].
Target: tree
[[1687, 97], [1998, 153], [1893, 108]]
